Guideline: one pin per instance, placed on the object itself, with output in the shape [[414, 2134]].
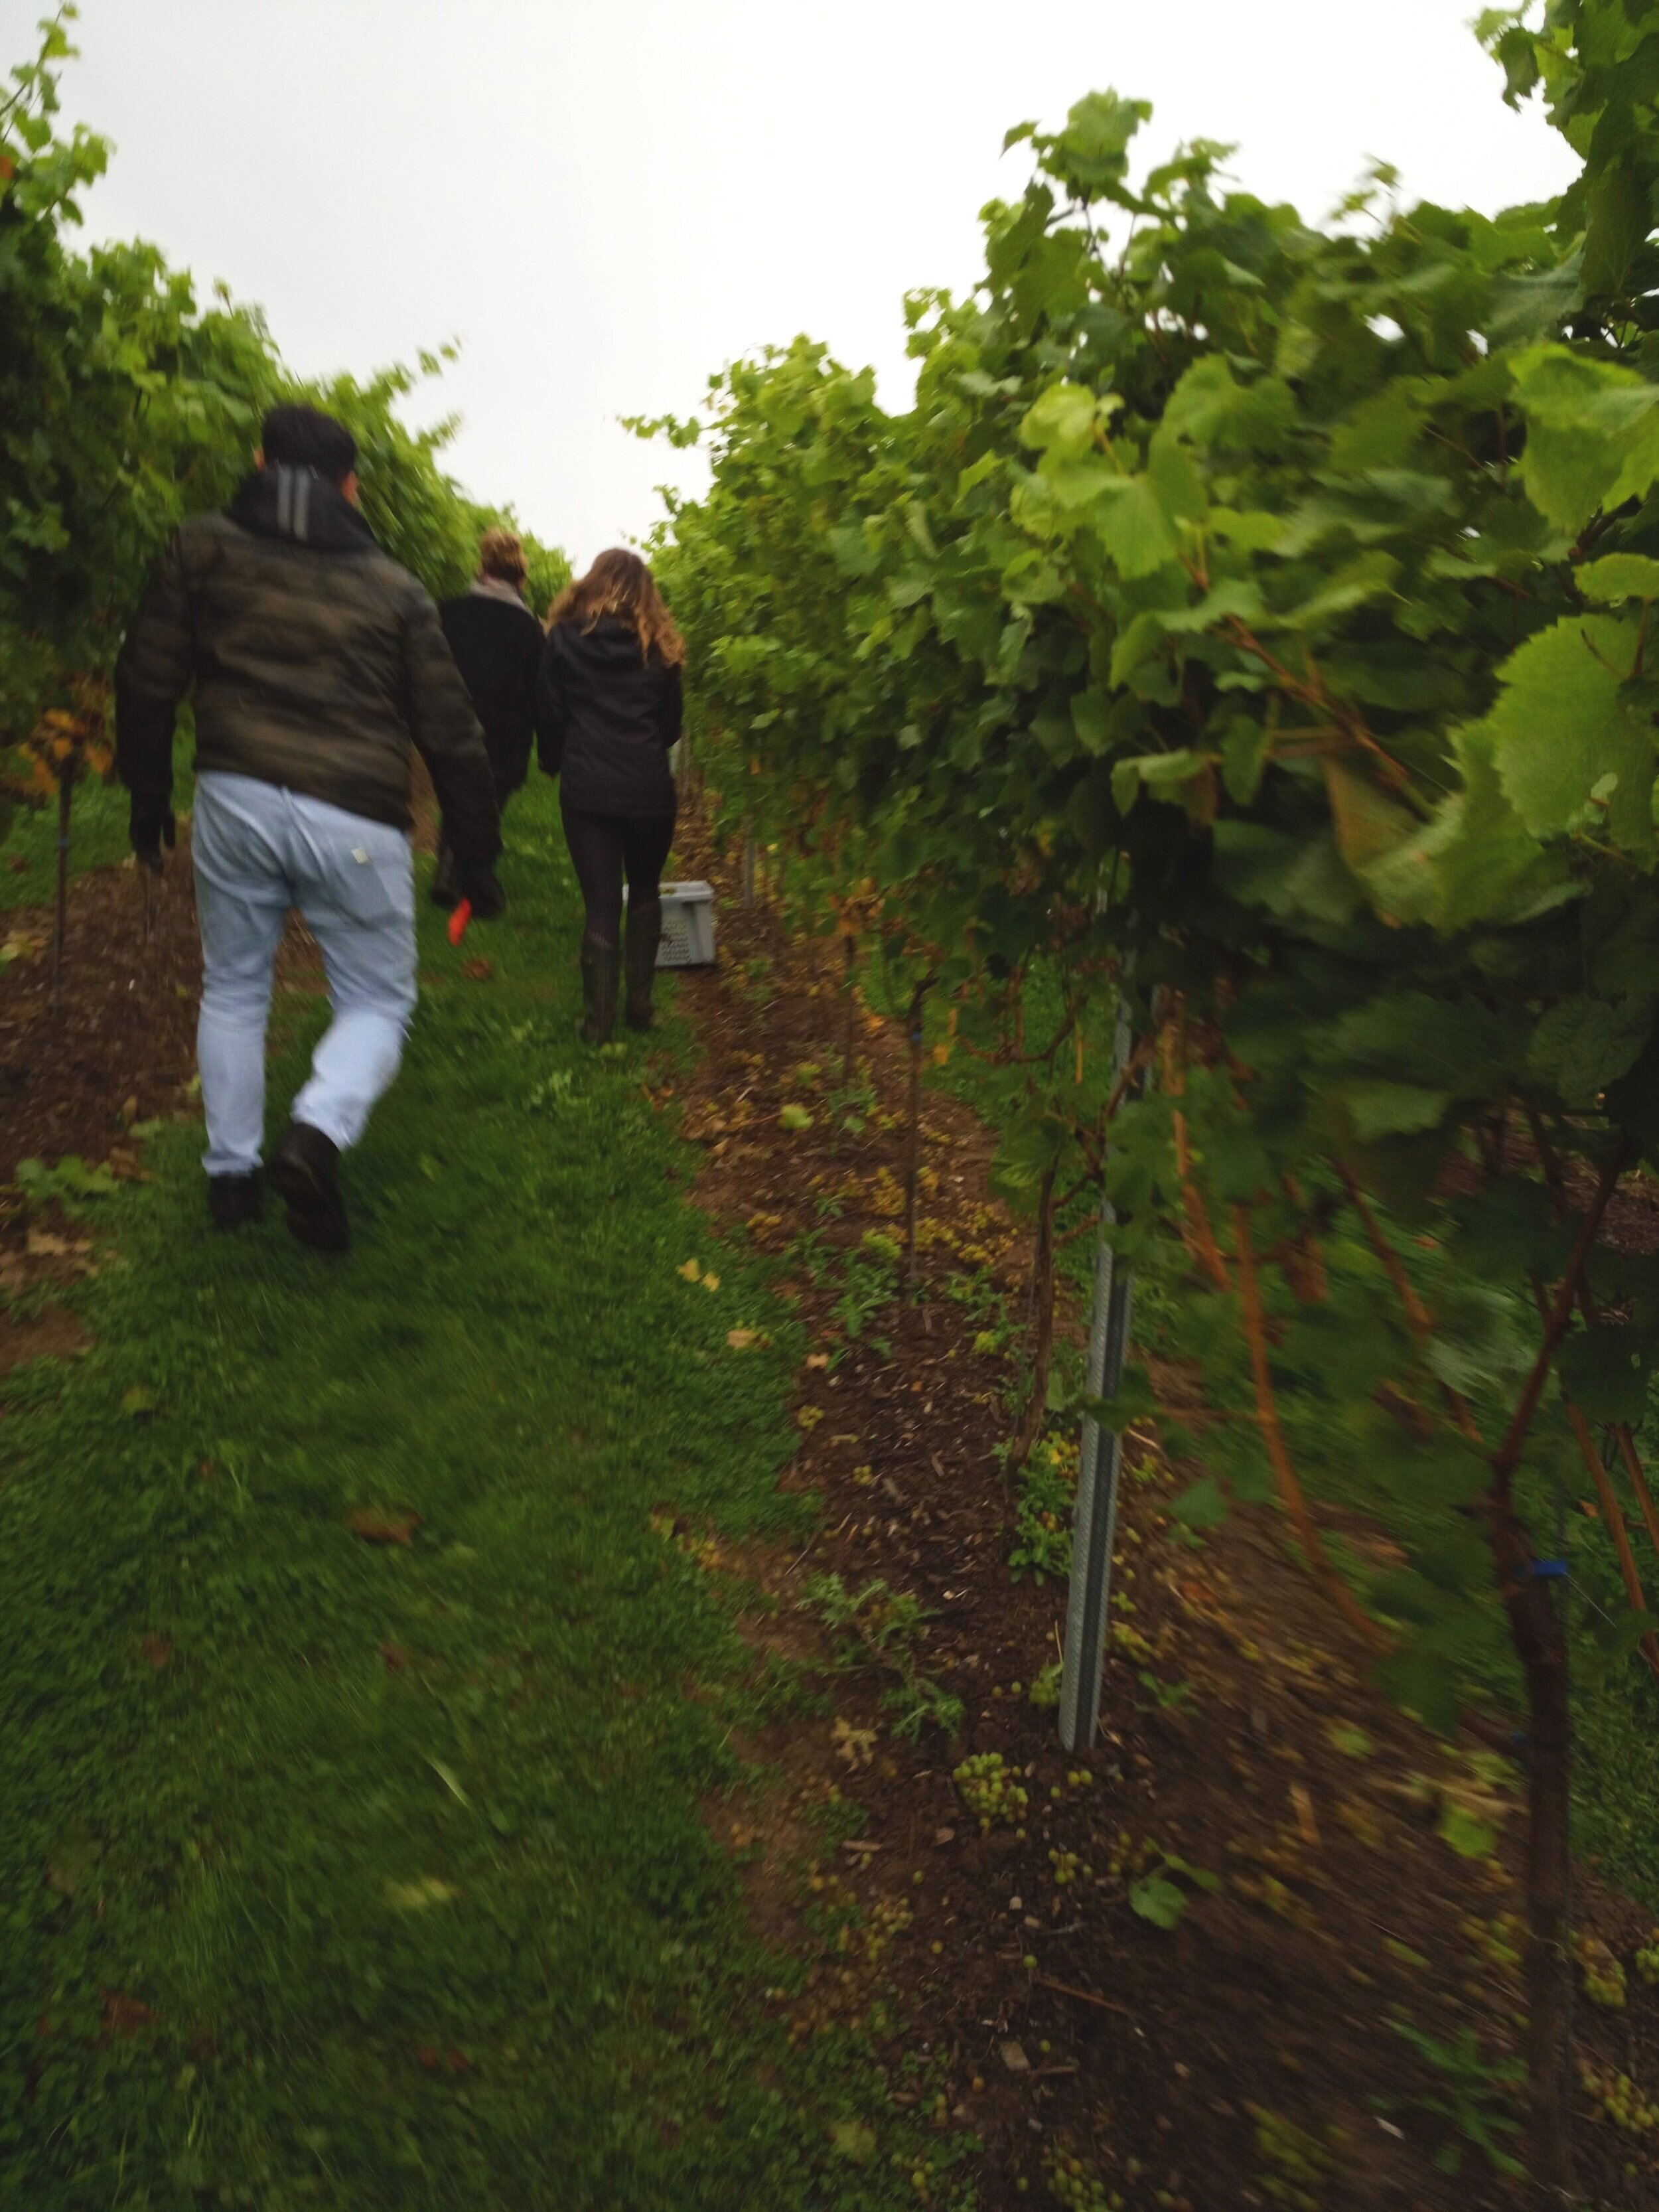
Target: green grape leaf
[[1164, 775], [1604, 1370], [1564, 725], [1592, 434], [1155, 1898], [1128, 518], [1393, 1110], [1583, 1045], [1619, 220], [1062, 422], [1619, 576], [1202, 1504]]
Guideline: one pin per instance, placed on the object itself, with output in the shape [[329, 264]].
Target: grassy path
[[361, 1875]]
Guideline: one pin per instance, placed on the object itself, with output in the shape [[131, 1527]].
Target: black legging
[[603, 847]]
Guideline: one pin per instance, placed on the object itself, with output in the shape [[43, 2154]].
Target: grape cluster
[[1618, 2099], [1604, 1978], [989, 1790], [1647, 1959], [891, 1917], [1072, 2183], [1044, 1692], [1065, 1864], [1499, 1942], [1130, 1860]]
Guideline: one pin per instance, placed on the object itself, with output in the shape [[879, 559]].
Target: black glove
[[479, 885], [152, 826]]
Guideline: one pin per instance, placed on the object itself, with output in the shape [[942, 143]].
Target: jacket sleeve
[[153, 673], [670, 708], [530, 674], [447, 737], [552, 712]]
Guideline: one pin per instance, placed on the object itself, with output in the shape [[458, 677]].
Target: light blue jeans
[[260, 849]]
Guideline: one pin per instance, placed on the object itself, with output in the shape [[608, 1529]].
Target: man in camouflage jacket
[[317, 662]]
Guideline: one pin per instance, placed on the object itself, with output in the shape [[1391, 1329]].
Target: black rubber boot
[[305, 1169], [235, 1200], [446, 890], [601, 966], [644, 936]]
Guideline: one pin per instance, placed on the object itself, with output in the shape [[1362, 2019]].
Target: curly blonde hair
[[620, 584]]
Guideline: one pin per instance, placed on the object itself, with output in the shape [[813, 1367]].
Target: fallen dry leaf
[[478, 971], [43, 1245], [125, 2015], [416, 1896], [1307, 1825], [690, 1272], [379, 1524], [157, 1650]]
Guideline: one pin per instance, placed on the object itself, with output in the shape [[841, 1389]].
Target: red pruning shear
[[459, 920]]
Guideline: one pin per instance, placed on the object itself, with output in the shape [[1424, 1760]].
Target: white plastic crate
[[688, 926]]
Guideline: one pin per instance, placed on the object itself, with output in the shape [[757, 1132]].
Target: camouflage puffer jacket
[[317, 662]]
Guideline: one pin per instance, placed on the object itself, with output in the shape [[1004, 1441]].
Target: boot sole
[[316, 1216]]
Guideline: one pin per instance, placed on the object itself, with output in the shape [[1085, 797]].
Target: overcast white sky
[[604, 202]]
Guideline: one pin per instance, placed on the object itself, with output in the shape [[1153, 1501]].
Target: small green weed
[[1157, 1895], [1476, 2093], [1042, 1510], [886, 1626], [869, 1286], [68, 1181]]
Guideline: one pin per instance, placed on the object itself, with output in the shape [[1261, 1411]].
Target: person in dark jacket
[[497, 645], [609, 710], [316, 663]]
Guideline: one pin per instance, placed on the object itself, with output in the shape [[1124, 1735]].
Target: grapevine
[[1249, 623]]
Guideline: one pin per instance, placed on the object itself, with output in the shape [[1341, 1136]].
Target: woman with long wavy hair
[[609, 703]]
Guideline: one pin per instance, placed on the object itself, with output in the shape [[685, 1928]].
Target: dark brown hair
[[620, 584]]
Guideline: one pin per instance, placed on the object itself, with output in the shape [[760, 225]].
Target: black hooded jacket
[[497, 647], [316, 663], [608, 713]]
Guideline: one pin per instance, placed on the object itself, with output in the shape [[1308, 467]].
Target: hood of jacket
[[608, 647], [301, 506]]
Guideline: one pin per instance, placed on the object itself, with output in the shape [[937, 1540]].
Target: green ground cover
[[360, 1875], [98, 838]]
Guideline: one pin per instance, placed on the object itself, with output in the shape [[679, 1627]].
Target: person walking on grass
[[609, 706], [317, 662], [497, 645]]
